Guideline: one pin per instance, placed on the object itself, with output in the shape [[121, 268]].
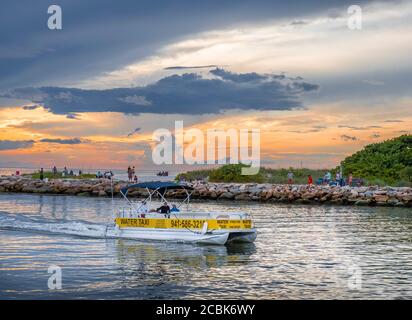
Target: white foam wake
[[77, 228]]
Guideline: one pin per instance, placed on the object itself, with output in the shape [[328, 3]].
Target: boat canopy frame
[[159, 188]]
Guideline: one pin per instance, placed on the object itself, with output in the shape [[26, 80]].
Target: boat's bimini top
[[156, 185]]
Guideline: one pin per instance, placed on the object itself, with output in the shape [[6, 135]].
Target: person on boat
[[310, 180], [174, 208], [164, 208], [135, 179]]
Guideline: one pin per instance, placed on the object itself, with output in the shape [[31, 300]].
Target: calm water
[[301, 252]]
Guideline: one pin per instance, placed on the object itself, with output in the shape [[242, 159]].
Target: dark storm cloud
[[348, 138], [189, 93], [134, 132], [191, 67], [289, 155], [313, 130], [33, 107], [13, 145], [360, 128], [298, 22], [62, 141], [101, 35], [72, 116]]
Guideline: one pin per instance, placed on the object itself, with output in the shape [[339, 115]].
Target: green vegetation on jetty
[[388, 162], [50, 175], [232, 173], [385, 163]]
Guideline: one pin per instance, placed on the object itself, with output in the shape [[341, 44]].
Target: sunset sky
[[91, 95]]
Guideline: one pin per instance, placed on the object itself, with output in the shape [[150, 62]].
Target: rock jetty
[[300, 194]]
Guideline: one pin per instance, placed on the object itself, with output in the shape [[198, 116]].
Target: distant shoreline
[[270, 193]]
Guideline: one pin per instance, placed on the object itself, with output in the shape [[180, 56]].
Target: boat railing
[[128, 212], [213, 215]]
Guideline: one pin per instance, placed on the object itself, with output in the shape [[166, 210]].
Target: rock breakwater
[[300, 194]]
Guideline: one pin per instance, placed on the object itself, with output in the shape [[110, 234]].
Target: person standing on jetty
[[310, 180], [350, 179], [337, 178], [41, 174], [327, 178], [290, 177], [129, 173]]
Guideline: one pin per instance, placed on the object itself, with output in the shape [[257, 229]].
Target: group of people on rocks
[[326, 180], [65, 172], [131, 174], [339, 179], [105, 175], [132, 177]]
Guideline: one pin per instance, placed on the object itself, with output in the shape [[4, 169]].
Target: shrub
[[387, 161]]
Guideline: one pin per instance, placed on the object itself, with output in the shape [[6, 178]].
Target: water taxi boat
[[139, 221]]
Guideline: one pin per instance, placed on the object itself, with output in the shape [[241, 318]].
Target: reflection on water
[[301, 252], [153, 264], [189, 255]]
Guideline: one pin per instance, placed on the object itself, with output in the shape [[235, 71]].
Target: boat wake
[[20, 222]]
